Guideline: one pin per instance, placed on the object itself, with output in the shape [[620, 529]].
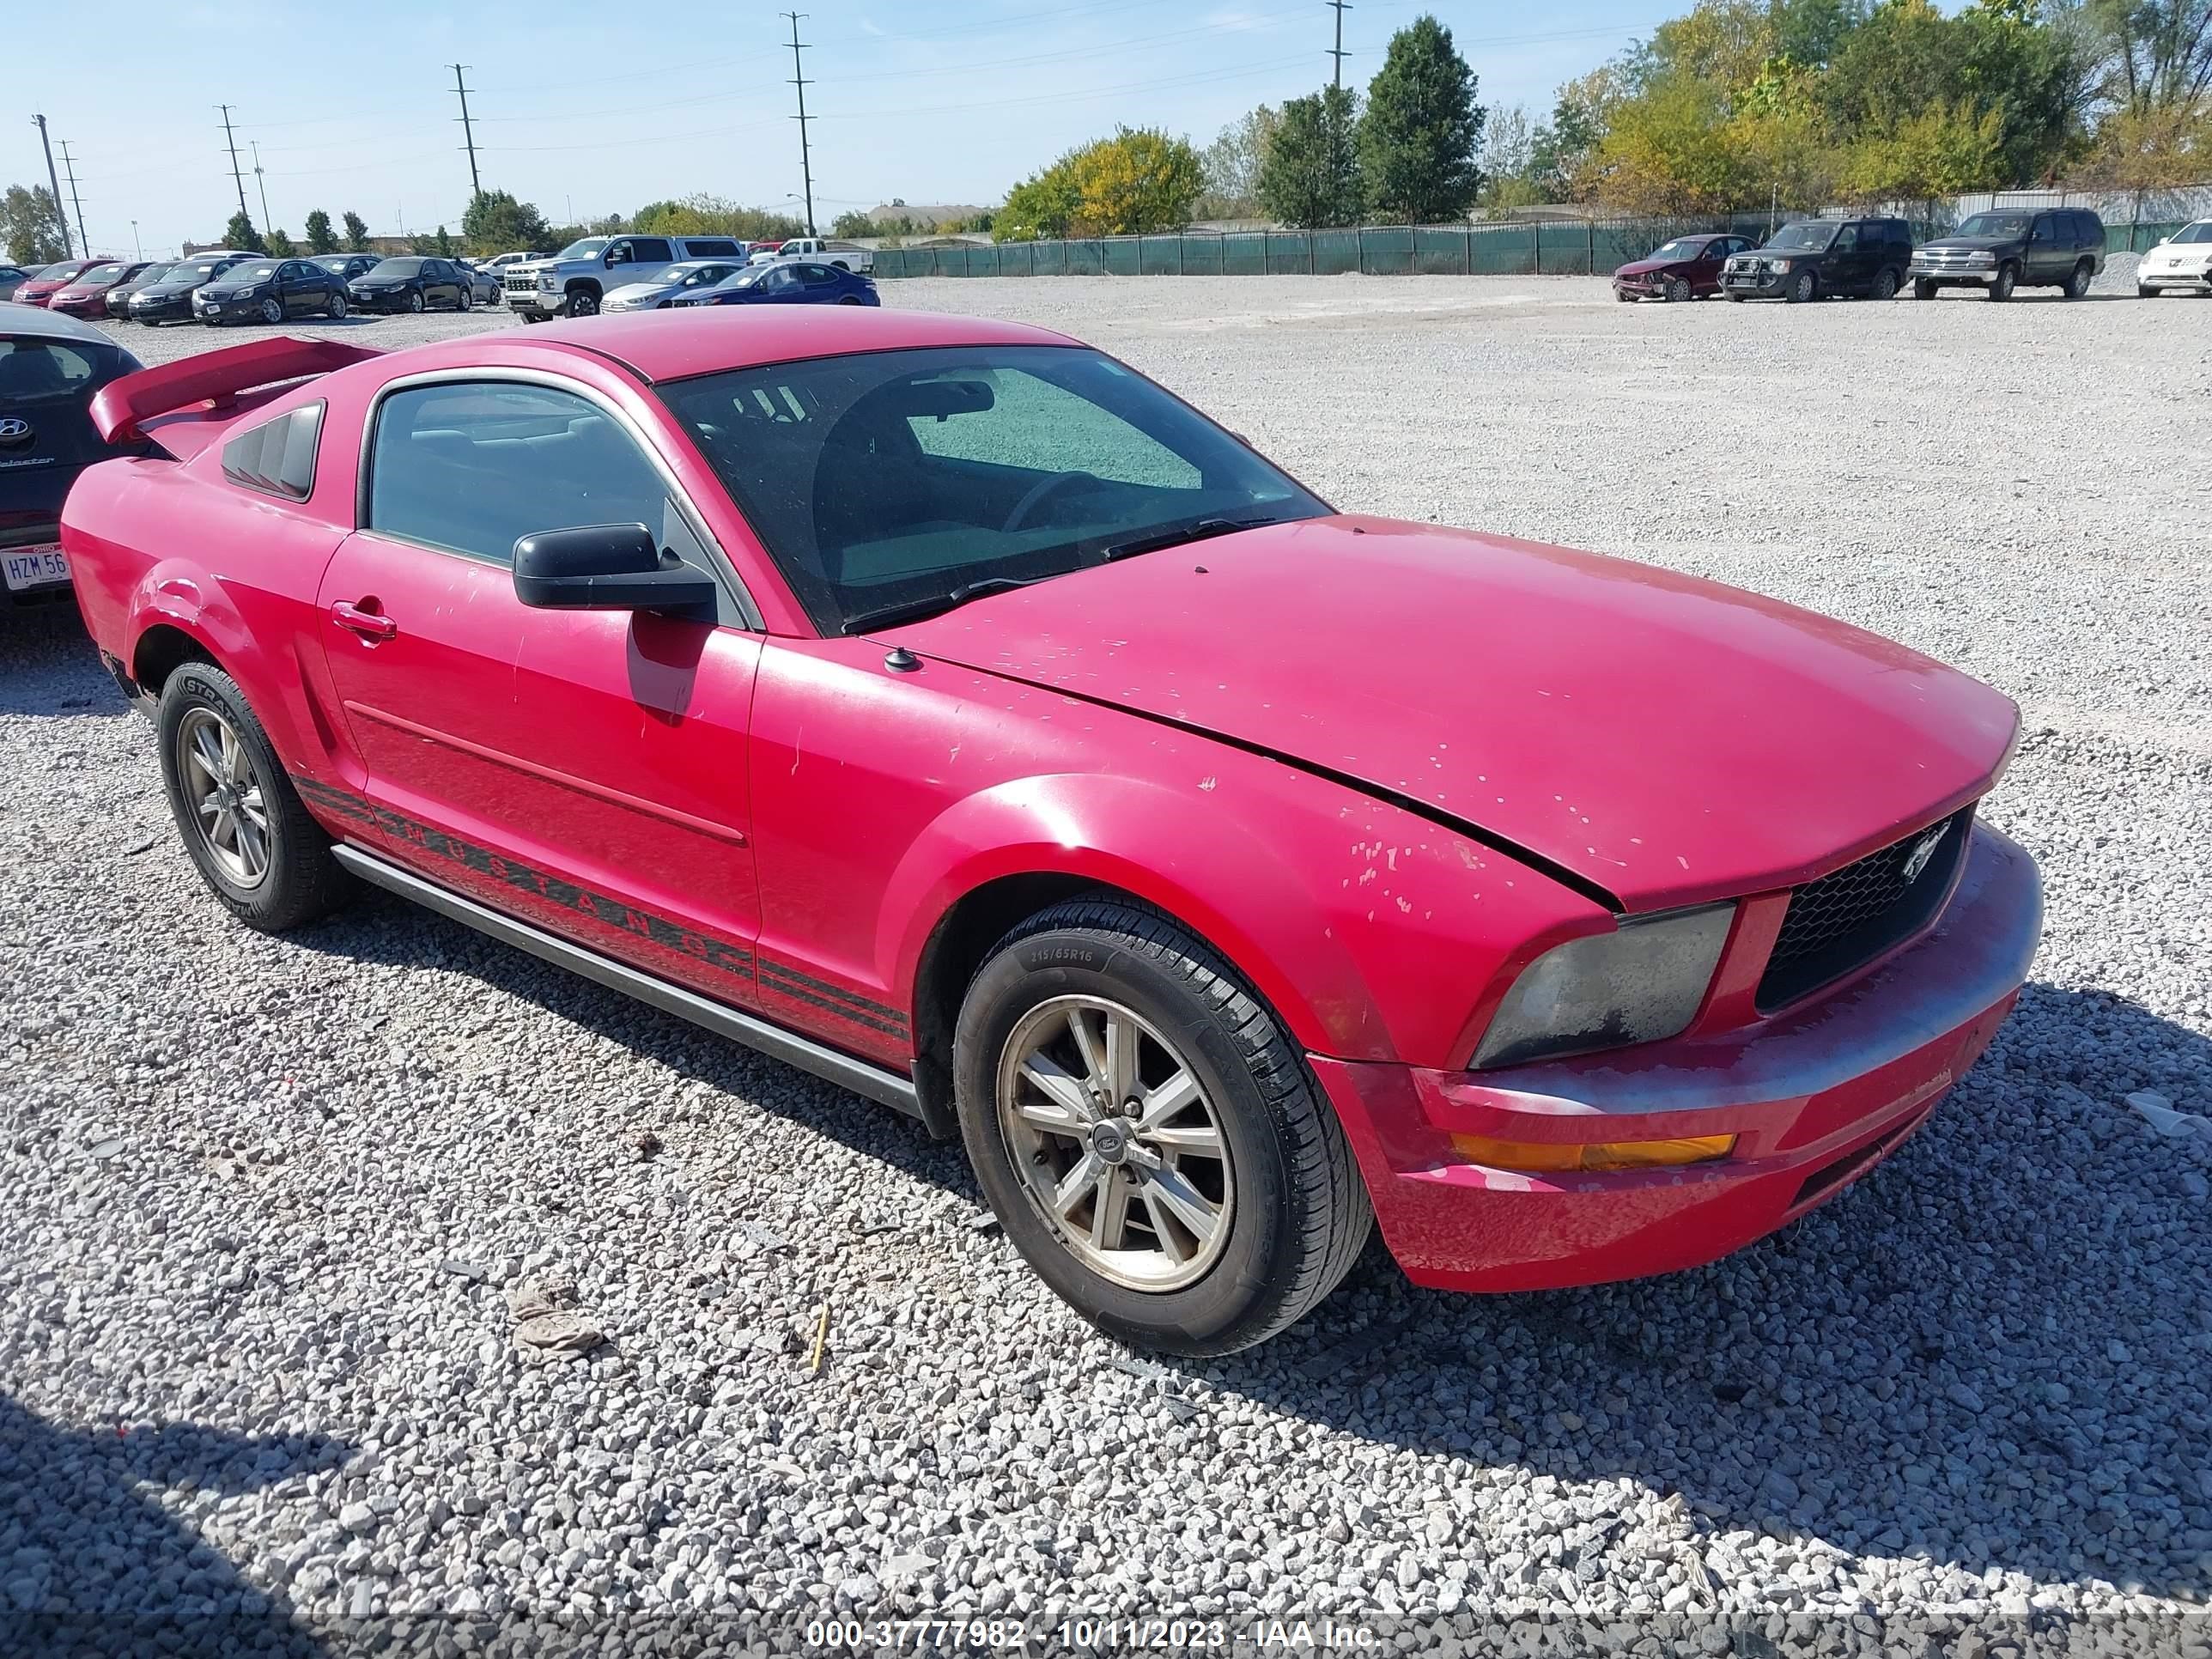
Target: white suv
[[574, 281]]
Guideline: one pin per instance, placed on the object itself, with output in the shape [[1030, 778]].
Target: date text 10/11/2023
[[1103, 1635]]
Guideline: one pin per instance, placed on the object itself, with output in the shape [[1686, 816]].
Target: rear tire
[[264, 857], [1282, 1215], [2078, 281], [1887, 284]]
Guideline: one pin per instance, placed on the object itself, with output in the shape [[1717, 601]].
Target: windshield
[[1994, 224], [896, 478], [746, 277], [1682, 247], [198, 271], [582, 248], [335, 261], [1805, 237], [2199, 232], [260, 271], [102, 274], [397, 268], [154, 274]]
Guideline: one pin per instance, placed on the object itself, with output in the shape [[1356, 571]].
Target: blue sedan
[[798, 282]]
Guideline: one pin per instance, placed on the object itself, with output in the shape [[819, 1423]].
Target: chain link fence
[[1560, 247]]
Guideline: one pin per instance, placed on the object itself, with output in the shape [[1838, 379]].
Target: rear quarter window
[[32, 370], [278, 458]]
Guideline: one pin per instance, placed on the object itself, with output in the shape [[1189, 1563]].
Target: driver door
[[584, 769]]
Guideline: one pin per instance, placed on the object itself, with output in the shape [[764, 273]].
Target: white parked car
[[843, 255], [2182, 260], [676, 279]]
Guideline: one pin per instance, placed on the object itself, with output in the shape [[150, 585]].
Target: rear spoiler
[[122, 407]]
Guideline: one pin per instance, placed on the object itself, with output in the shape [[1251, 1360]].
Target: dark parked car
[[1687, 268], [1816, 258], [2015, 247], [118, 301], [87, 295], [483, 284], [169, 298], [50, 366], [798, 284], [14, 277], [410, 283], [347, 266], [269, 291]]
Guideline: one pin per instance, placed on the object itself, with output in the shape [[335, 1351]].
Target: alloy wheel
[[1678, 290], [229, 808], [272, 311], [1114, 1135]]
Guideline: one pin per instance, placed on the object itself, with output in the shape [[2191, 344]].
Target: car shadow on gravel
[[93, 1562], [1994, 1353]]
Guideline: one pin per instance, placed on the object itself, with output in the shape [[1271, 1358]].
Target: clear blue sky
[[589, 109]]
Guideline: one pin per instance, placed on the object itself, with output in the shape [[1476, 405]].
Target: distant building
[[925, 215]]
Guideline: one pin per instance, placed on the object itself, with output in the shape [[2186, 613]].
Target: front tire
[[416, 302], [264, 857], [2143, 291], [465, 301], [1922, 288], [1802, 288], [2007, 278], [582, 302], [336, 310], [1150, 1138], [272, 311], [1678, 290]]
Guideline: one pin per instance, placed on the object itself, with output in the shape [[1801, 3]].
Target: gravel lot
[[266, 1201]]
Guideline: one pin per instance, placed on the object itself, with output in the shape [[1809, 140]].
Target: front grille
[[521, 284], [1851, 915]]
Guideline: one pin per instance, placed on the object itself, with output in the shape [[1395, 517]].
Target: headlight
[[1981, 257], [545, 283], [1639, 983], [1778, 264]]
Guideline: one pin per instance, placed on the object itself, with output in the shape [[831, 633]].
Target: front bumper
[[1756, 284], [161, 311], [537, 301], [2201, 278], [1976, 276], [1816, 1097], [360, 301]]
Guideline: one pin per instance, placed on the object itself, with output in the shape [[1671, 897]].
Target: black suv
[[1815, 257], [2015, 247]]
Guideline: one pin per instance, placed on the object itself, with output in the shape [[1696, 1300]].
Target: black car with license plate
[[118, 303], [265, 290], [412, 282], [50, 366], [1815, 258], [168, 298], [2018, 247]]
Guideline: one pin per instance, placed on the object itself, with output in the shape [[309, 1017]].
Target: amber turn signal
[[1554, 1157]]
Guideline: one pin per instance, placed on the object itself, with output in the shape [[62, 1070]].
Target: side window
[[817, 275], [1030, 423], [778, 279], [474, 467], [33, 367], [277, 457], [710, 248], [1847, 240], [620, 253], [651, 251], [2042, 231]]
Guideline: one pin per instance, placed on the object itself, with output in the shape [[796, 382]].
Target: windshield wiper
[[933, 604], [1198, 530]]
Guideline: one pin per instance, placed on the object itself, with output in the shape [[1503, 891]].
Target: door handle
[[371, 625]]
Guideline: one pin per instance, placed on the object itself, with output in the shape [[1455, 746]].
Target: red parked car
[[942, 706], [52, 280], [1687, 268], [86, 295]]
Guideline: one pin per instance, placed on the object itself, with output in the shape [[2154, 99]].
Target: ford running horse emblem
[[1924, 850]]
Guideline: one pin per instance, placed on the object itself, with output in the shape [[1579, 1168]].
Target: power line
[[54, 183], [468, 132], [798, 80], [1340, 7], [69, 167], [230, 140]]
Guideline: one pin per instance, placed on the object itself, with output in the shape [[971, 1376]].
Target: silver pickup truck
[[574, 281]]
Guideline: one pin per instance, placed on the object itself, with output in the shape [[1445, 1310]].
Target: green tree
[[1562, 150], [240, 235], [1310, 176], [32, 225], [852, 222], [1232, 164], [1422, 131], [497, 224], [1138, 181], [356, 232], [279, 246], [704, 215], [320, 237], [2157, 53], [1042, 206]]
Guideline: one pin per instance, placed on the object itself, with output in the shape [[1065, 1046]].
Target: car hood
[[1970, 244], [1659, 738], [1646, 267], [641, 290]]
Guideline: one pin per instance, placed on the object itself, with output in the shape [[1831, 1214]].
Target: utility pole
[[138, 248], [68, 167], [1335, 125], [54, 183], [258, 185], [468, 132], [798, 80], [237, 178], [1340, 7]]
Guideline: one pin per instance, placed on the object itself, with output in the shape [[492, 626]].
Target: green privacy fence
[[1576, 247]]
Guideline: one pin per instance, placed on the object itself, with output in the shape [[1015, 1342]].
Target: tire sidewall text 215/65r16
[[1282, 1181], [292, 878]]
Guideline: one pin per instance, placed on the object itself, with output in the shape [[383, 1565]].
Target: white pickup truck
[[574, 281], [843, 255]]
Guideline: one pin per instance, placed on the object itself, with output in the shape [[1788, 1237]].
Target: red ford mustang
[[944, 707]]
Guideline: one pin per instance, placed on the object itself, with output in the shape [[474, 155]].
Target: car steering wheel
[[1038, 491]]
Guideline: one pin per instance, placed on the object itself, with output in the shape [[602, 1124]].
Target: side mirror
[[605, 567]]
